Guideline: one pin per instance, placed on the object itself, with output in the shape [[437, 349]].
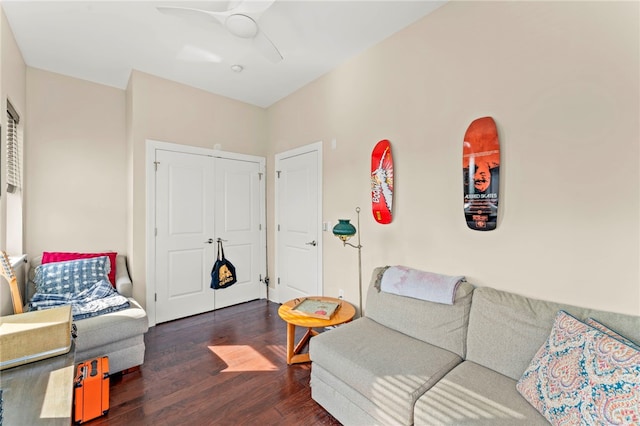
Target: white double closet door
[[200, 197]]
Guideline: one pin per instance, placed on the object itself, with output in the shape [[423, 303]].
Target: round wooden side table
[[344, 313]]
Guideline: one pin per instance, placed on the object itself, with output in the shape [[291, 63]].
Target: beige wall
[[86, 156], [75, 165], [165, 111], [13, 88], [561, 81]]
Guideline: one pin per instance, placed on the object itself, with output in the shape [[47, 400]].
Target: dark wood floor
[[225, 367]]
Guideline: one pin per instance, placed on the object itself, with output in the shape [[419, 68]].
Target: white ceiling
[[102, 41]]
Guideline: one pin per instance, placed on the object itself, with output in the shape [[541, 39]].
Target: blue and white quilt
[[100, 298]]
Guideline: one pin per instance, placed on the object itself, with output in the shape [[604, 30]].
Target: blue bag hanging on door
[[223, 273]]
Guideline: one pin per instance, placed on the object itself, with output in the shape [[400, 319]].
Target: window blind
[[13, 149]]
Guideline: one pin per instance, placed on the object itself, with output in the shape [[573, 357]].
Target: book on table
[[322, 309]]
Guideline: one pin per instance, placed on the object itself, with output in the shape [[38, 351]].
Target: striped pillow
[[72, 276]]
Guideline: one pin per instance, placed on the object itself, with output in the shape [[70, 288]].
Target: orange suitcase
[[91, 389]]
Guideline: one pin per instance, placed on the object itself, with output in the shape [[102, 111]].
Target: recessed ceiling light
[[236, 68]]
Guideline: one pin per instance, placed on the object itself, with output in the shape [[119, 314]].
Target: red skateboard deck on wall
[[382, 182], [481, 174]]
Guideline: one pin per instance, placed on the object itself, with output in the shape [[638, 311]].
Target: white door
[[238, 223], [298, 223], [184, 225]]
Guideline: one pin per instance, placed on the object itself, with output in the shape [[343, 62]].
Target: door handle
[[311, 243], [209, 241]]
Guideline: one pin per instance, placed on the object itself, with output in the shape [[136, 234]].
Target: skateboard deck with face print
[[382, 182], [481, 174]]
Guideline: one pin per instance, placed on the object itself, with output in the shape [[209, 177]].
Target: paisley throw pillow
[[583, 376]]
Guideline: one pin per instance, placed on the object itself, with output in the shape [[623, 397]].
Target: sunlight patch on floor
[[241, 358]]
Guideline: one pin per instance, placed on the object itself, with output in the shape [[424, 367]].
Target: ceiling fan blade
[[252, 7], [267, 48], [192, 14], [236, 20]]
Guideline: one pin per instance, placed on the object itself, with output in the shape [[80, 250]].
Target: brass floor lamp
[[345, 230]]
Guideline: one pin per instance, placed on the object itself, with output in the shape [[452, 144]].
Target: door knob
[[311, 243], [209, 241]]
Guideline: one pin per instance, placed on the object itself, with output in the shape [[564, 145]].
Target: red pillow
[[58, 256]]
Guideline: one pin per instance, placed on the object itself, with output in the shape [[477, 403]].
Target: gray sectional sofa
[[118, 335], [410, 361]]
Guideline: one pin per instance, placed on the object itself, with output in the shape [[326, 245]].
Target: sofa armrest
[[123, 280]]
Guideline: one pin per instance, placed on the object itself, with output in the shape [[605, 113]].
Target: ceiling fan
[[240, 20]]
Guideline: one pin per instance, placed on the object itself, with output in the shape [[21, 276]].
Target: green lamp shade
[[344, 230]]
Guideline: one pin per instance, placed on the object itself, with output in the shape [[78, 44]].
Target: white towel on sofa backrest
[[409, 282]]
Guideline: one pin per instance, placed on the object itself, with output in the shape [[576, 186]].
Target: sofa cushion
[[389, 368], [59, 256], [104, 329], [441, 325], [345, 403], [123, 281], [71, 276], [471, 394], [506, 330], [123, 354], [583, 375]]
